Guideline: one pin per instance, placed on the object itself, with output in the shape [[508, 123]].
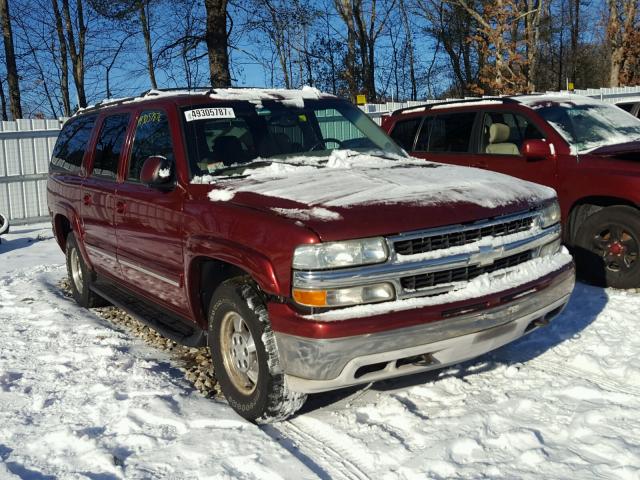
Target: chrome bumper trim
[[315, 365], [392, 270]]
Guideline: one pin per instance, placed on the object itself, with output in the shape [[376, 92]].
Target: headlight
[[550, 215], [320, 256]]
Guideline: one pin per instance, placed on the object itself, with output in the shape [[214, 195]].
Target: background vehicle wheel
[[80, 277], [245, 356], [4, 224], [607, 247]]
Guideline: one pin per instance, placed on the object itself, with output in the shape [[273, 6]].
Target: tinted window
[[152, 139], [627, 107], [72, 143], [109, 145], [448, 133], [404, 133]]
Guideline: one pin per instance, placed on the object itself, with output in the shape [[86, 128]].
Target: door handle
[[121, 207], [87, 200]]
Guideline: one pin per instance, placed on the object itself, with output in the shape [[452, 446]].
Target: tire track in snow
[[329, 460], [600, 381]]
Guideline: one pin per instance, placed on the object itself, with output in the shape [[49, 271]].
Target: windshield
[[221, 138], [587, 126]]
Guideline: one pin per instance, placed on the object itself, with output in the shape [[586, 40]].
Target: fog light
[[343, 297], [551, 248]]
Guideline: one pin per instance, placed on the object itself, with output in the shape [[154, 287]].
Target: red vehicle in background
[[588, 151], [292, 236]]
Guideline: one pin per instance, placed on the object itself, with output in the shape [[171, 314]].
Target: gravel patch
[[195, 363]]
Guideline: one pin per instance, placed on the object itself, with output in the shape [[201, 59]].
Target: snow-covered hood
[[352, 194]]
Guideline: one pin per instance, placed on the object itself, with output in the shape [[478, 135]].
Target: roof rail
[[103, 103], [151, 91], [427, 106]]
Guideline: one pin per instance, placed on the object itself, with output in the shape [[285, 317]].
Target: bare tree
[[10, 59], [217, 39], [76, 53], [64, 61], [364, 34], [3, 102]]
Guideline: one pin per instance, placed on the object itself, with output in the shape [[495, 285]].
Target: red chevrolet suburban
[[289, 233], [587, 150]]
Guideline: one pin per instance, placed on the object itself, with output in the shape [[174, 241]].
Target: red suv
[[289, 233], [586, 150]]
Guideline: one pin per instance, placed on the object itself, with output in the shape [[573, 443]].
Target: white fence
[[25, 150]]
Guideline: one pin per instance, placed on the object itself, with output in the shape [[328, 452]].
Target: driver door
[[148, 220]]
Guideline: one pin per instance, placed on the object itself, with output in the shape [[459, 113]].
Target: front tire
[[607, 247], [245, 356], [80, 276]]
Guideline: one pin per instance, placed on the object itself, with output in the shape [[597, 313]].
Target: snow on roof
[[533, 100], [294, 98]]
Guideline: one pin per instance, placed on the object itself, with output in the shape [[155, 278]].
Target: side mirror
[[535, 150], [157, 172]]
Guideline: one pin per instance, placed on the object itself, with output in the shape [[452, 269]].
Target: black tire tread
[[280, 402]]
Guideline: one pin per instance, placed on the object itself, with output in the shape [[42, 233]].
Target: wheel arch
[[587, 206]]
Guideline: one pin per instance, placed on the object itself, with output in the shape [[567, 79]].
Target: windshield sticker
[[149, 117], [207, 113]]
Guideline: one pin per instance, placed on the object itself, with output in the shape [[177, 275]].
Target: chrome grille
[[429, 280], [462, 237]]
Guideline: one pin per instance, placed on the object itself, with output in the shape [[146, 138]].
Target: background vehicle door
[[98, 194], [447, 138], [148, 220], [502, 153]]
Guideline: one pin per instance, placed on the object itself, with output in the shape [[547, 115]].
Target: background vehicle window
[[404, 132], [109, 145], [71, 144], [152, 139], [448, 133], [509, 134]]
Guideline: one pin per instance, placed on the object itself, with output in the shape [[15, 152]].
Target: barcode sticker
[[207, 113]]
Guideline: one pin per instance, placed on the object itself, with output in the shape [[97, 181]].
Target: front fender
[[257, 265]]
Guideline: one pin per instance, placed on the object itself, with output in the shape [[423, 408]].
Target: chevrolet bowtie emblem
[[486, 255]]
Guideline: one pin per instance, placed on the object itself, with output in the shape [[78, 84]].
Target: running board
[[166, 323]]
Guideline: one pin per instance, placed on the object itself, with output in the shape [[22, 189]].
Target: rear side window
[[152, 139], [404, 132], [448, 133], [109, 145], [71, 144]]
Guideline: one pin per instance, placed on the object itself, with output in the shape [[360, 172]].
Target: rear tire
[[80, 276], [607, 247], [245, 355]]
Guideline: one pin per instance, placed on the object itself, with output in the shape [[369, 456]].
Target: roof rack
[[174, 89], [427, 106]]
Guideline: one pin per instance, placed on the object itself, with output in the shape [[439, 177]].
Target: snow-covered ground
[[80, 399]]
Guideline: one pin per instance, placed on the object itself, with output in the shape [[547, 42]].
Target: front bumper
[[316, 365]]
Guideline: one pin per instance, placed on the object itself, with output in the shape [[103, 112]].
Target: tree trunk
[[410, 50], [77, 55], [3, 103], [64, 65], [346, 12], [217, 42], [10, 57], [146, 33]]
